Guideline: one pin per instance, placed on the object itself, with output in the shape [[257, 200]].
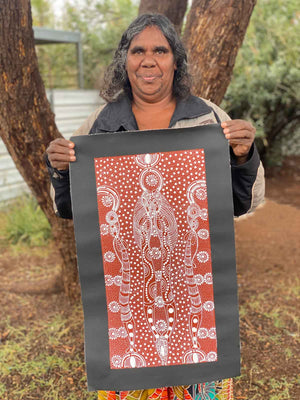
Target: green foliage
[[25, 222], [281, 387], [42, 13], [265, 87], [34, 362], [57, 62], [58, 65], [101, 23]]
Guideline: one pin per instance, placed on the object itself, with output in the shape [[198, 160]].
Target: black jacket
[[118, 116]]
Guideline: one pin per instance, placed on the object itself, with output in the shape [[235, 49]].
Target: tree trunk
[[213, 35], [173, 9], [27, 123]]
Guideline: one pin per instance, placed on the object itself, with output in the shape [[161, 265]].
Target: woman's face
[[150, 66]]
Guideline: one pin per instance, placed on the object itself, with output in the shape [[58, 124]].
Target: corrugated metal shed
[[71, 108]]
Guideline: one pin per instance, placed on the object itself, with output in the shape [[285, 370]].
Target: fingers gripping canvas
[[153, 219], [154, 225]]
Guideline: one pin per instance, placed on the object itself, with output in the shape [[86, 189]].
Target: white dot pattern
[[131, 323]]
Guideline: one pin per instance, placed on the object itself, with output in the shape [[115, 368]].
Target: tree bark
[[173, 9], [213, 35], [27, 123]]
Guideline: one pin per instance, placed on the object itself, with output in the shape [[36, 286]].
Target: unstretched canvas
[[154, 232]]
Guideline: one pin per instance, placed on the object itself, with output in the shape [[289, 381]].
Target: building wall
[[71, 108]]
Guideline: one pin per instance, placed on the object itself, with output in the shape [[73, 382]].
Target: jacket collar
[[118, 116]]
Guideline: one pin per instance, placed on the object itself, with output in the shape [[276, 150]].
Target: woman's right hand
[[60, 152]]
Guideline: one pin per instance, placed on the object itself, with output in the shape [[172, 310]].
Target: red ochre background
[[179, 169]]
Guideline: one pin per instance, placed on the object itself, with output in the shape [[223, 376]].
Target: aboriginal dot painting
[[155, 241]]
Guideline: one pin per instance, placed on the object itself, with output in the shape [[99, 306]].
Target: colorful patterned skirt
[[219, 390]]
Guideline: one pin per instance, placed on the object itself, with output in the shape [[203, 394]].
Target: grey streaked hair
[[116, 81]]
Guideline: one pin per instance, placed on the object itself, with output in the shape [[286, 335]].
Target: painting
[[155, 245]]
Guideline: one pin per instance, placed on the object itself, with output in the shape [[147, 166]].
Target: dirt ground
[[267, 247]]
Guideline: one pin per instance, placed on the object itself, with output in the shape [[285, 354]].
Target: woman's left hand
[[240, 135]]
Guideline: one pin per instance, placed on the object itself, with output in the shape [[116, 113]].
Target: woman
[[148, 87]]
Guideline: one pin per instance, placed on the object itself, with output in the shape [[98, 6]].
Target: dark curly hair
[[116, 81]]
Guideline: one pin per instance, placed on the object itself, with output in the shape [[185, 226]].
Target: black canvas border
[[87, 234]]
